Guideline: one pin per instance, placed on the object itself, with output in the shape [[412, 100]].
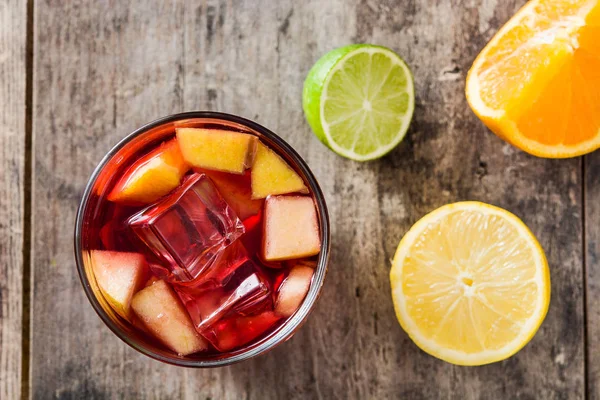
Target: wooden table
[[76, 76]]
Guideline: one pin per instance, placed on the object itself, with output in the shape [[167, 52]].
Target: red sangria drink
[[202, 239]]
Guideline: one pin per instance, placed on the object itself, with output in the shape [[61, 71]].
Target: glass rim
[[291, 325]]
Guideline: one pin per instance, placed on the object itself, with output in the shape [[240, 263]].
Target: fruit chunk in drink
[[205, 239]]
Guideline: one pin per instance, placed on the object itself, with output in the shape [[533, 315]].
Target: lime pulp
[[359, 100]]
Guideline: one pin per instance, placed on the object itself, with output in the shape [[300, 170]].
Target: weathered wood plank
[[13, 19], [102, 70], [592, 270]]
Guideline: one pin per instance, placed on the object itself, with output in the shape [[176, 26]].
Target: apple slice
[[119, 275], [291, 229], [293, 290], [162, 313], [272, 175], [151, 281], [152, 176], [305, 263], [215, 149], [110, 172]]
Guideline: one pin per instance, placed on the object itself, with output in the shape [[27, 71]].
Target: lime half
[[359, 100]]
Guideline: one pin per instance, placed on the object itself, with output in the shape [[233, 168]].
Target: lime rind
[[380, 100], [311, 94]]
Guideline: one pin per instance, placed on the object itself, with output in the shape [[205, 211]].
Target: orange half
[[537, 82]]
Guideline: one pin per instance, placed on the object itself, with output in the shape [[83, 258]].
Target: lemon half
[[470, 283]]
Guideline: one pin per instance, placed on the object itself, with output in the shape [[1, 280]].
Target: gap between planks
[[27, 190], [586, 356]]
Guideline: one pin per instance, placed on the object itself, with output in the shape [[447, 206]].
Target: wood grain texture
[[103, 69], [12, 155], [592, 269]]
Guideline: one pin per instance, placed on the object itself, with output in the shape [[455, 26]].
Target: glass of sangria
[[202, 239]]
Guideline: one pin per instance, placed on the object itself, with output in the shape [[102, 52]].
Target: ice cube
[[240, 290], [224, 266], [189, 228], [236, 331]]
